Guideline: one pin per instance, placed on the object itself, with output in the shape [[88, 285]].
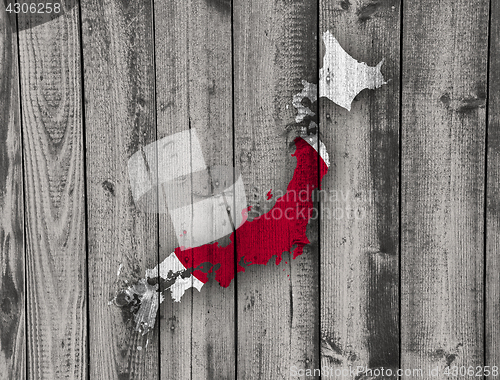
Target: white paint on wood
[[168, 269], [343, 77]]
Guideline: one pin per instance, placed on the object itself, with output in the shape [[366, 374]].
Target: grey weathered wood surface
[[172, 98], [492, 257], [194, 91], [445, 52], [54, 187], [119, 98], [12, 273], [277, 310], [97, 89], [359, 227]]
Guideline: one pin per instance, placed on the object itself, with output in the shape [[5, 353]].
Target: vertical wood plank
[[211, 114], [118, 53], [194, 91], [172, 97], [12, 291], [55, 195], [360, 214], [443, 139], [277, 308], [492, 327]]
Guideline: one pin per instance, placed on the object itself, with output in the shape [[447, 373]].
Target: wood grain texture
[[12, 263], [277, 309], [172, 97], [54, 193], [118, 53], [194, 91], [210, 113], [360, 214], [145, 70], [492, 298], [443, 164]]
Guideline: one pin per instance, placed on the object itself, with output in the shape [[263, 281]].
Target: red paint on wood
[[277, 231]]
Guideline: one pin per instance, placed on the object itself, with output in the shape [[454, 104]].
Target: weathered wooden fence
[[414, 283]]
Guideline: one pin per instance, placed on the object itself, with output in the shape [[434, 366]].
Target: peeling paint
[[310, 92], [144, 298], [171, 269]]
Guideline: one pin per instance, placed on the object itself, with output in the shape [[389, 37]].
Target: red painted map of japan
[[271, 234], [281, 229]]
